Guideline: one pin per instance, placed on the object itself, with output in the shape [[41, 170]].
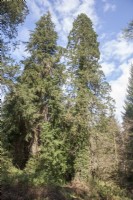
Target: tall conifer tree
[[88, 89], [37, 98], [43, 73]]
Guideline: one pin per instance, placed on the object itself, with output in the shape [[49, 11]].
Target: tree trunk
[[34, 144]]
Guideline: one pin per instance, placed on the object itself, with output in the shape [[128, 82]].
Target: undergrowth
[[22, 185]]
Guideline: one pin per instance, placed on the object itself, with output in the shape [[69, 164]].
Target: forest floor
[[76, 191], [20, 192]]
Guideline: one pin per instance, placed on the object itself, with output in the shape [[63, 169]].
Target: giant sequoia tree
[[88, 90]]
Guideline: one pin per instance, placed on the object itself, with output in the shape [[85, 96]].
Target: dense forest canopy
[[12, 14], [65, 140]]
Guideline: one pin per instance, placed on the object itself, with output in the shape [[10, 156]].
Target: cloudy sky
[[109, 18]]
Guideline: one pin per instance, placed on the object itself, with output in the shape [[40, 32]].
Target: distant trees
[[128, 134], [128, 32], [128, 115], [126, 147]]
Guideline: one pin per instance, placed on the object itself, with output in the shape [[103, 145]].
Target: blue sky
[[109, 17]]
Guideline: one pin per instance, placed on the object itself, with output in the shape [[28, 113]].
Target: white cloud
[[24, 34], [64, 6], [116, 59], [108, 6], [20, 52], [119, 88], [108, 68], [66, 24], [117, 49], [35, 10], [88, 7], [102, 36]]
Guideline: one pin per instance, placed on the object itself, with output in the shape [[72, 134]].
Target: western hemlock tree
[[37, 99], [43, 73]]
